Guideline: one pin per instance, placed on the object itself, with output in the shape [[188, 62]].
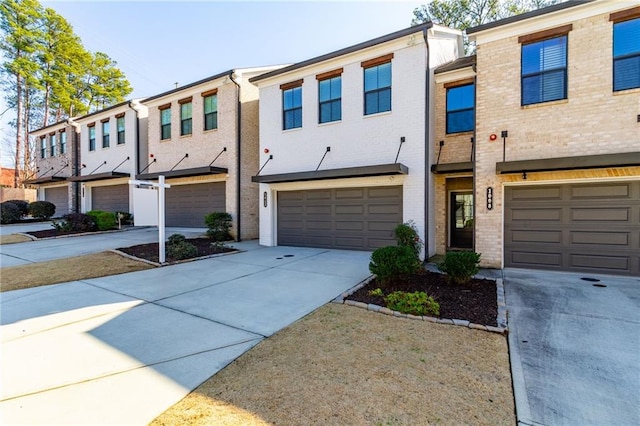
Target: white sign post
[[161, 231]]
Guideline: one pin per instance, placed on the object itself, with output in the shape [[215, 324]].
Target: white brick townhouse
[[345, 142]]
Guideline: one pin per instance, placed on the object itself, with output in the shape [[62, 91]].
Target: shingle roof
[[464, 62]]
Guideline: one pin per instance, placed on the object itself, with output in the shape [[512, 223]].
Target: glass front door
[[461, 222]]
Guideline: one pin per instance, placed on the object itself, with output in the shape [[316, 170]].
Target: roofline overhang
[[189, 86], [346, 172], [344, 51], [45, 179], [465, 166], [626, 159], [98, 176], [195, 171]]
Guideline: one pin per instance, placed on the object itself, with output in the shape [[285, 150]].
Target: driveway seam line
[[104, 376]]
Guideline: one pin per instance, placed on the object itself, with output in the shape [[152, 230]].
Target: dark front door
[[461, 222]]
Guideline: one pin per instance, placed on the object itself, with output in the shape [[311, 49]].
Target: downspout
[[475, 144], [238, 154], [76, 163], [134, 106], [427, 143]]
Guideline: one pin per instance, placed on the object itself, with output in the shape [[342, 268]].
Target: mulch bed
[[150, 251], [49, 233], [475, 301]]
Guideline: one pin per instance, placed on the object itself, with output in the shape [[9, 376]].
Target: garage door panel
[[59, 196], [348, 219], [187, 205], [112, 198], [532, 193], [593, 227]]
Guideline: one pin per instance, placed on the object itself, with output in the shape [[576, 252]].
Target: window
[[626, 55], [92, 138], [165, 123], [292, 105], [43, 147], [105, 134], [120, 130], [185, 118], [52, 144], [460, 108], [211, 112], [63, 142], [544, 70], [330, 99], [377, 86]]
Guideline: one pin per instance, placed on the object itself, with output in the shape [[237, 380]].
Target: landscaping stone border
[[501, 317], [82, 234], [177, 262]]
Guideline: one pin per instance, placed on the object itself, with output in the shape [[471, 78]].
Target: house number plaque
[[489, 198]]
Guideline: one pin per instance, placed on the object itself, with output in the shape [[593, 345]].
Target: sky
[[160, 43]]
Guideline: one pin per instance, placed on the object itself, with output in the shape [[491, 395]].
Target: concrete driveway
[[24, 227], [57, 248], [122, 349], [574, 347]]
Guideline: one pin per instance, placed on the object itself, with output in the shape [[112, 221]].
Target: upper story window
[[291, 105], [186, 114], [330, 96], [377, 85], [92, 138], [210, 105], [43, 147], [544, 71], [52, 144], [461, 108], [63, 142], [626, 54], [105, 134], [165, 122], [120, 129]]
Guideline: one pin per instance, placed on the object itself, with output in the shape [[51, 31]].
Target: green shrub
[[104, 220], [376, 292], [460, 266], [9, 213], [218, 224], [181, 251], [407, 235], [176, 239], [417, 303], [42, 209], [393, 262], [22, 205], [77, 222]]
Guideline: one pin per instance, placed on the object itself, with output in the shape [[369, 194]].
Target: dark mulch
[[150, 251], [48, 233], [475, 302]]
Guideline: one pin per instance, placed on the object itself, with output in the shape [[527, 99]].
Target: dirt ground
[[69, 269], [347, 366]]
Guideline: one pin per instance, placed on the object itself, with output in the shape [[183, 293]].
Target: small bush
[[9, 213], [42, 209], [417, 303], [376, 292], [218, 224], [181, 251], [407, 235], [460, 266], [176, 239], [104, 220], [393, 262], [76, 222], [22, 205]]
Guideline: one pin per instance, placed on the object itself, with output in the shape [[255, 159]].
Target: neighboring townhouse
[[203, 138], [345, 142], [557, 151], [57, 160], [112, 143]]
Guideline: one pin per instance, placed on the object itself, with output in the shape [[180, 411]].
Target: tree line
[[47, 75]]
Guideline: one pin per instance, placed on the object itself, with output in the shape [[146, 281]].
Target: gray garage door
[[345, 218], [114, 198], [187, 205], [60, 197], [574, 227]]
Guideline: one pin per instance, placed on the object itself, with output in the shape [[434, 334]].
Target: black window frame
[[43, 147], [617, 59], [378, 90], [63, 142], [121, 132], [165, 128], [210, 117], [186, 124], [92, 138], [332, 102], [52, 145], [472, 109], [544, 72], [293, 110], [106, 135]]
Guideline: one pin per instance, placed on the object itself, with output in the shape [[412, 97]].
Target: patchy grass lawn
[[69, 269], [343, 365], [13, 238]]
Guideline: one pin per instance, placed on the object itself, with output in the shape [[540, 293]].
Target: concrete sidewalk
[[122, 349], [574, 347], [57, 248]]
